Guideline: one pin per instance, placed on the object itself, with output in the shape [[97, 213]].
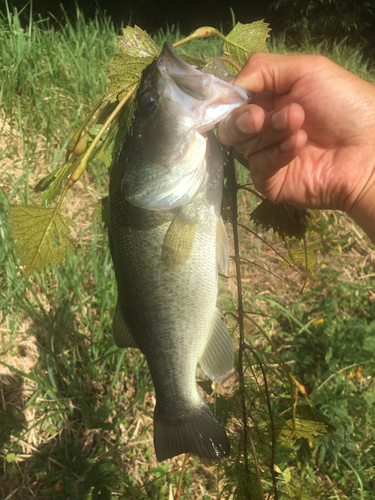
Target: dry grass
[[261, 278], [135, 439], [73, 329]]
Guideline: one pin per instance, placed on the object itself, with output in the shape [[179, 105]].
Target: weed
[[75, 417]]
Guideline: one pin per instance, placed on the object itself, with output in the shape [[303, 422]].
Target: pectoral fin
[[222, 245], [217, 358], [121, 332], [178, 242]]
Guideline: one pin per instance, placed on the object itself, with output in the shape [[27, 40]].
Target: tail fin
[[197, 432]]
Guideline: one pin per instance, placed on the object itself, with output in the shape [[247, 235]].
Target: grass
[[76, 412]]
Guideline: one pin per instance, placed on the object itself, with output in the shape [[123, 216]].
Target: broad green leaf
[[300, 254], [136, 42], [128, 71], [244, 39], [101, 211], [138, 50], [284, 219], [42, 235], [311, 413], [308, 429], [284, 476]]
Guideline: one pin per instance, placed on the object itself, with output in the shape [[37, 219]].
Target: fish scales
[[165, 253]]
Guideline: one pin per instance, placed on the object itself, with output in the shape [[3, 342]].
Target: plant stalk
[[240, 309]]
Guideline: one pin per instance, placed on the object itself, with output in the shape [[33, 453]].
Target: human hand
[[308, 135]]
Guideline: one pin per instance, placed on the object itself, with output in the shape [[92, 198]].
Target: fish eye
[[148, 102]]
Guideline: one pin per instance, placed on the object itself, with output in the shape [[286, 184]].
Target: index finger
[[274, 73]]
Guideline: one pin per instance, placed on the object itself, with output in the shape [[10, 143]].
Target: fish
[[167, 237]]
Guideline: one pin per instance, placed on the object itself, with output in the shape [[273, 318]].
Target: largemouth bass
[[167, 237]]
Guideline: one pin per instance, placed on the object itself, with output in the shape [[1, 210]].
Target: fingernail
[[244, 123], [279, 119]]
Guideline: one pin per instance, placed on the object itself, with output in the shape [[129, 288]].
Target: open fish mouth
[[203, 95]]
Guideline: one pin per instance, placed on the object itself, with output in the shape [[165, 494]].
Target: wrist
[[362, 210]]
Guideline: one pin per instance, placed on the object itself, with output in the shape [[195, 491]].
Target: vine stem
[[291, 379], [256, 462], [268, 271], [203, 32], [232, 63], [178, 492], [74, 140], [78, 171], [271, 419], [240, 309], [81, 167], [269, 246], [252, 191]]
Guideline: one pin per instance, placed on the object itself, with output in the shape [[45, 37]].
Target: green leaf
[[128, 71], [105, 156], [136, 42], [284, 219], [244, 39], [101, 211], [300, 254], [369, 344], [308, 429], [138, 50], [311, 413], [51, 185], [160, 471], [11, 457], [287, 475], [43, 235], [109, 142], [95, 129]]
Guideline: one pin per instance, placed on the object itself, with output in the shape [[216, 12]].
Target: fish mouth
[[188, 78], [205, 97]]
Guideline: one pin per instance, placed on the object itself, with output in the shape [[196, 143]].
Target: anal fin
[[217, 358], [121, 332]]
